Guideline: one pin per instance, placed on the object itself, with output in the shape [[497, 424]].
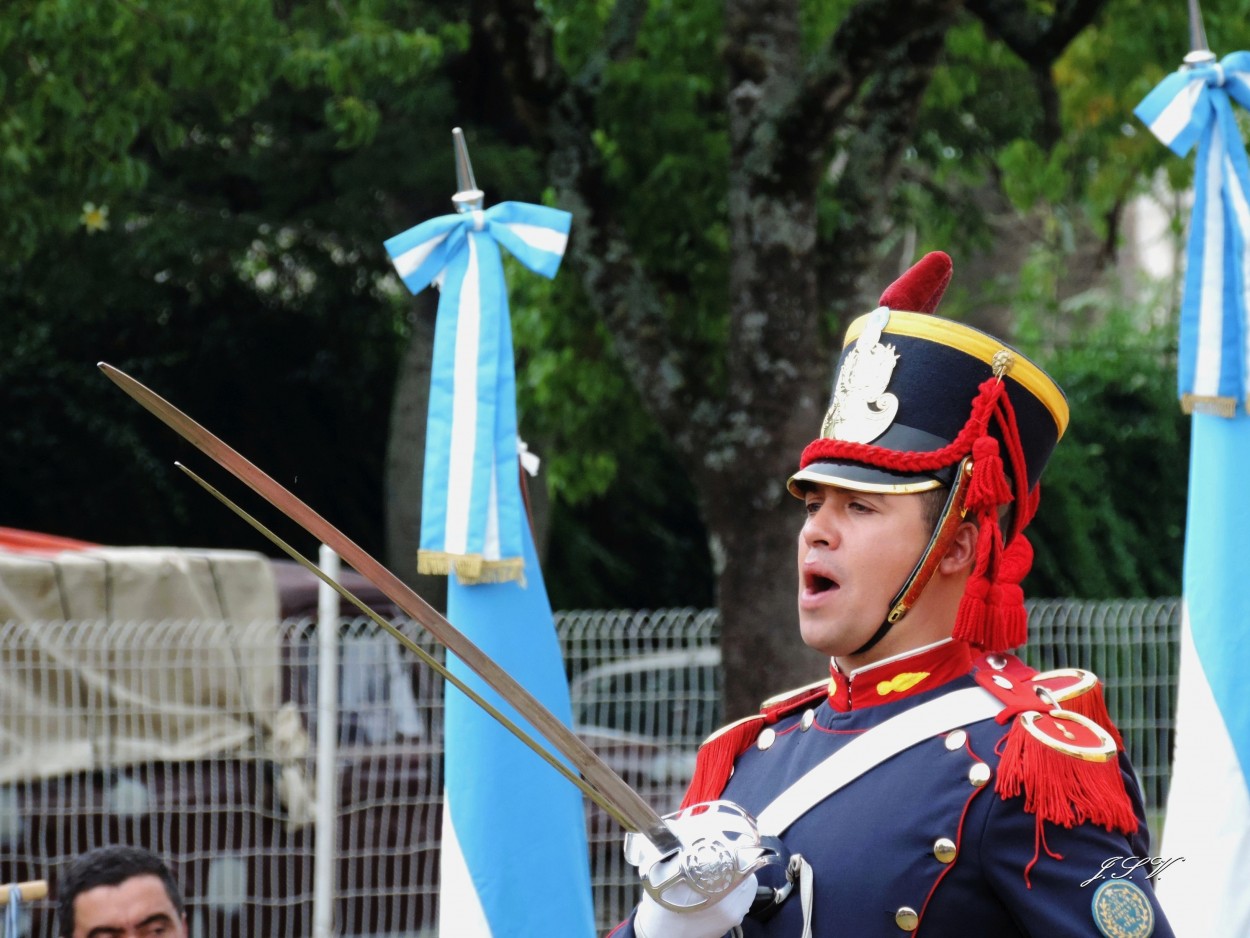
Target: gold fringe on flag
[[1205, 404], [471, 568], [499, 571]]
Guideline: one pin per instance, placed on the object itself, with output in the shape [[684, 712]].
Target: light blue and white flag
[[471, 511], [1207, 825], [514, 859]]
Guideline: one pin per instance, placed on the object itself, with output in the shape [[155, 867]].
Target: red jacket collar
[[913, 672]]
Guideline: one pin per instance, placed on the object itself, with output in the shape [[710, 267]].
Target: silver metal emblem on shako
[[862, 409]]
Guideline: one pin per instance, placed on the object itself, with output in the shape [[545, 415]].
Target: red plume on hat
[[920, 289]]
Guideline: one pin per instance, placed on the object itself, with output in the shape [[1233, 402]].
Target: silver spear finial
[[1200, 53], [470, 197]]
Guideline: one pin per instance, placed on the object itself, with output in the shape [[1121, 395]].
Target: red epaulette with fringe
[[1061, 752], [719, 751]]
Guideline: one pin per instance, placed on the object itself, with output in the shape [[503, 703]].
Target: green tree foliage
[[625, 529], [1114, 518], [1113, 498], [250, 163], [1010, 133], [744, 176]]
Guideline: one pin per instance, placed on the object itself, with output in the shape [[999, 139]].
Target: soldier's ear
[[962, 552]]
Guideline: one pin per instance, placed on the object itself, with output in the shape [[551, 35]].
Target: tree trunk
[[831, 124]]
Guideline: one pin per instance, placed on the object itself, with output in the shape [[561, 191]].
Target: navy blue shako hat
[[920, 402]]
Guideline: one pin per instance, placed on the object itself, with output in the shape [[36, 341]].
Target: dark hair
[[109, 866], [934, 500], [932, 503]]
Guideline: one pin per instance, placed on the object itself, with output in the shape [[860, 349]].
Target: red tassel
[[715, 761], [1017, 560], [1061, 788], [1006, 622], [970, 620], [988, 488]]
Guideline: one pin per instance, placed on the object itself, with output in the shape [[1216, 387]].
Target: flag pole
[[468, 197], [1199, 52]]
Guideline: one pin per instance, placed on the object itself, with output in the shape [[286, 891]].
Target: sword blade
[[512, 727], [628, 803]]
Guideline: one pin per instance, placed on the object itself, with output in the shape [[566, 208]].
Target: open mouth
[[814, 583]]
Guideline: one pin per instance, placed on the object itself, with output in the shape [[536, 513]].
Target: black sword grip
[[776, 879]]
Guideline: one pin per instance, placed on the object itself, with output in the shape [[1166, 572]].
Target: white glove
[[652, 920], [722, 843]]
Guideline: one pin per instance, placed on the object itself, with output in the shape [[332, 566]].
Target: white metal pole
[[326, 841]]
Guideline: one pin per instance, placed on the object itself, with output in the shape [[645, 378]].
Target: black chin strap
[[918, 579], [876, 637]]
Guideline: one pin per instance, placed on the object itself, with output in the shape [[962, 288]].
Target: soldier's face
[[855, 552], [138, 907]]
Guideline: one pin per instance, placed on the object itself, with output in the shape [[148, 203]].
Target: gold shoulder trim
[[779, 699], [1102, 749], [1082, 682], [717, 734]]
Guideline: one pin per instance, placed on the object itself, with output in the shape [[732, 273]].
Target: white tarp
[[112, 656]]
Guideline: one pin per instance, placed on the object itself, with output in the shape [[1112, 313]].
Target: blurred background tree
[[197, 191]]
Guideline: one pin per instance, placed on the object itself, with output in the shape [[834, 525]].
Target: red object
[[912, 461], [1061, 788], [1057, 786], [30, 542], [920, 289]]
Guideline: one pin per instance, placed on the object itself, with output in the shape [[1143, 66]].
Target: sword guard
[[720, 847]]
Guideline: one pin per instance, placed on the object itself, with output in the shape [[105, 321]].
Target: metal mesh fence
[[236, 821]]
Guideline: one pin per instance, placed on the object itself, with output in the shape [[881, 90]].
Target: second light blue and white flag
[[1207, 825], [514, 861]]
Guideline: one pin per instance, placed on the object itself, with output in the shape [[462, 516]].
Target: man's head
[[119, 892], [854, 550], [935, 414]]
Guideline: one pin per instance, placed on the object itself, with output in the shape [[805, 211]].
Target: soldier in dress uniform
[[933, 784]]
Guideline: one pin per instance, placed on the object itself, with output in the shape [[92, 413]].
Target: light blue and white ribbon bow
[[471, 506], [1193, 106]]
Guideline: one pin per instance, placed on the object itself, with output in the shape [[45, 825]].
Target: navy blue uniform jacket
[[872, 844]]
